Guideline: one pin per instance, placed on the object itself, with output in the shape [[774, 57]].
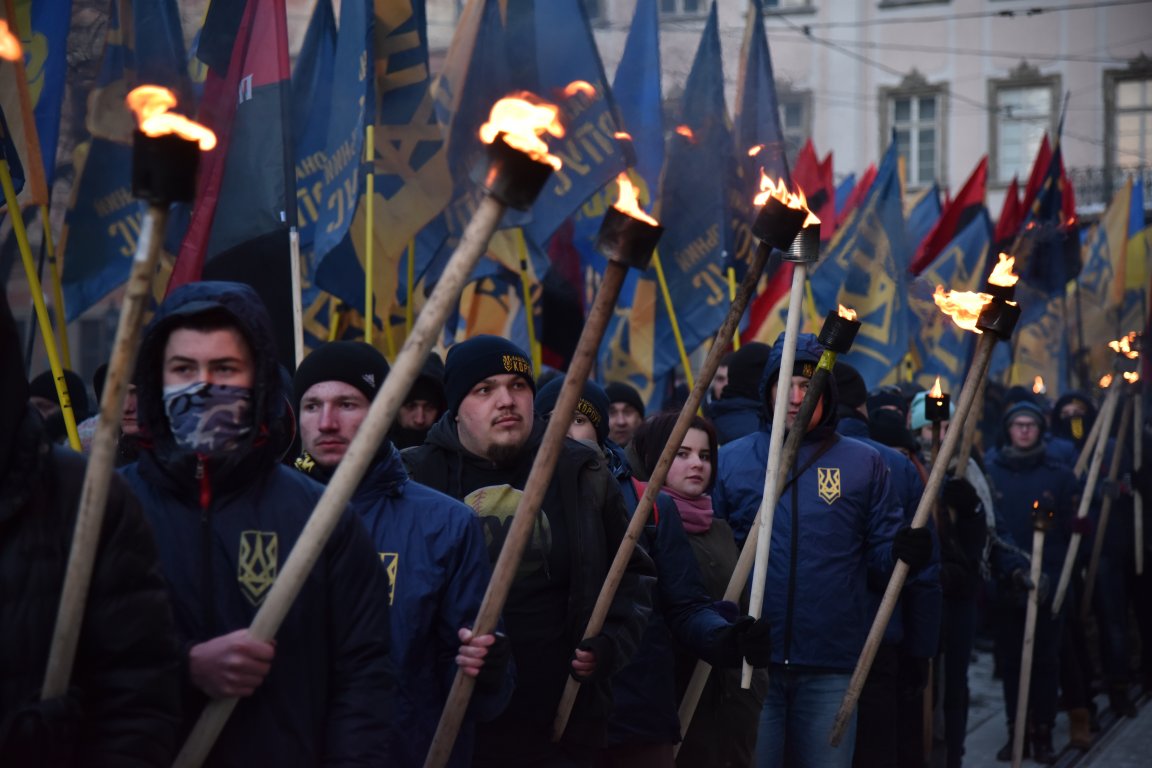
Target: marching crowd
[[223, 455]]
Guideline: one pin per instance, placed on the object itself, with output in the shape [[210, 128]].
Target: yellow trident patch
[[391, 561], [256, 570], [828, 483]]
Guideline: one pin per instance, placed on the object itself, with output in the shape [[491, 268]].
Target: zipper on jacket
[[206, 545], [792, 569]]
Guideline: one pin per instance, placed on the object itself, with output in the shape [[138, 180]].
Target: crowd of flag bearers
[[227, 454]]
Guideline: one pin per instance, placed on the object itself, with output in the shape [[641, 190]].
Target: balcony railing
[[1095, 186]]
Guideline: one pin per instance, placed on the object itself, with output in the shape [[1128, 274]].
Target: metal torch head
[[164, 168], [627, 240], [999, 317], [777, 225], [513, 177], [937, 409], [837, 333], [805, 247], [1043, 516]]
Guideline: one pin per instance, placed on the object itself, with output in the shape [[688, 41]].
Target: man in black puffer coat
[[122, 708]]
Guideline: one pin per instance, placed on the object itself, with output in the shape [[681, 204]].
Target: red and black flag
[[961, 210]]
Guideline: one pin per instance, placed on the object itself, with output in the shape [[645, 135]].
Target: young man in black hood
[[122, 706], [227, 515], [482, 452]]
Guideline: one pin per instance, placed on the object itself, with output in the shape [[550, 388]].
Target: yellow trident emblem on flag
[[256, 569], [828, 483], [391, 561]]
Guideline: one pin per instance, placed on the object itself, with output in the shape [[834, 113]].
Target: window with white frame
[[1132, 122], [1023, 109], [683, 7], [780, 5], [795, 120], [915, 119]]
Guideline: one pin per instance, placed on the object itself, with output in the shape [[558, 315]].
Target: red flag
[[859, 192], [815, 178], [779, 283], [952, 221], [1036, 177], [1011, 216]]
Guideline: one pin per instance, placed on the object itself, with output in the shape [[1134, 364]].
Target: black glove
[[1022, 581], [960, 496], [913, 546], [491, 675], [754, 640], [605, 652]]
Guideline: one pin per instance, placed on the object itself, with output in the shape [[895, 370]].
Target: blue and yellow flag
[[866, 269], [43, 28], [924, 212], [1040, 343], [103, 223], [1054, 256], [939, 346], [1134, 314], [1100, 287], [694, 208]]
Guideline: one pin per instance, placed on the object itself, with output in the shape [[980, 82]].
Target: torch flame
[[151, 104], [686, 132], [777, 189], [1002, 275], [579, 86], [1124, 346], [622, 136], [755, 150], [629, 200], [523, 118], [1038, 387], [845, 312], [1036, 504], [1106, 381], [9, 43], [936, 392], [1131, 377], [963, 307]]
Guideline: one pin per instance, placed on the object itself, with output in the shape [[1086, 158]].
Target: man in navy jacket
[[431, 548], [837, 528], [215, 421]]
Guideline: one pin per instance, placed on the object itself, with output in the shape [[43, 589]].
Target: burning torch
[[1041, 520], [993, 314], [519, 165], [1138, 462], [165, 155], [1125, 367], [937, 407]]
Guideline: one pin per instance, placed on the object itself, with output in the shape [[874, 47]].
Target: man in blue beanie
[[481, 452], [837, 526]]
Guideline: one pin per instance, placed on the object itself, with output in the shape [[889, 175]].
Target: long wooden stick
[[1108, 413], [660, 473], [1106, 508], [1138, 463], [101, 463], [770, 493], [1089, 446], [1028, 647], [355, 463], [524, 518], [969, 441], [744, 563], [984, 346]]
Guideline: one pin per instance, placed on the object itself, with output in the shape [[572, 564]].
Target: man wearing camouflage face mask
[[214, 422]]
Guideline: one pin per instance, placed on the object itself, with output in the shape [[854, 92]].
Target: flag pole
[[57, 288], [732, 298], [17, 218], [1106, 508], [1040, 525], [529, 309], [369, 266], [672, 319], [408, 307]]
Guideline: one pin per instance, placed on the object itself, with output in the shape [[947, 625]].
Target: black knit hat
[[352, 362], [618, 392], [476, 359], [1024, 408], [593, 403], [745, 369], [850, 386]]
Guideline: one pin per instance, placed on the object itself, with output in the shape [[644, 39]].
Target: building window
[[1128, 117], [1023, 110], [914, 112], [781, 5], [795, 120], [683, 7]]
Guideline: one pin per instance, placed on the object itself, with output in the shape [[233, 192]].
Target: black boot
[[1042, 744], [1005, 753], [1119, 702]]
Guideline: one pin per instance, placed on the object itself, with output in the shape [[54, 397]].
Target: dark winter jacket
[[123, 708], [645, 700], [831, 534], [915, 625], [1018, 481], [432, 549], [585, 496], [225, 527]]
